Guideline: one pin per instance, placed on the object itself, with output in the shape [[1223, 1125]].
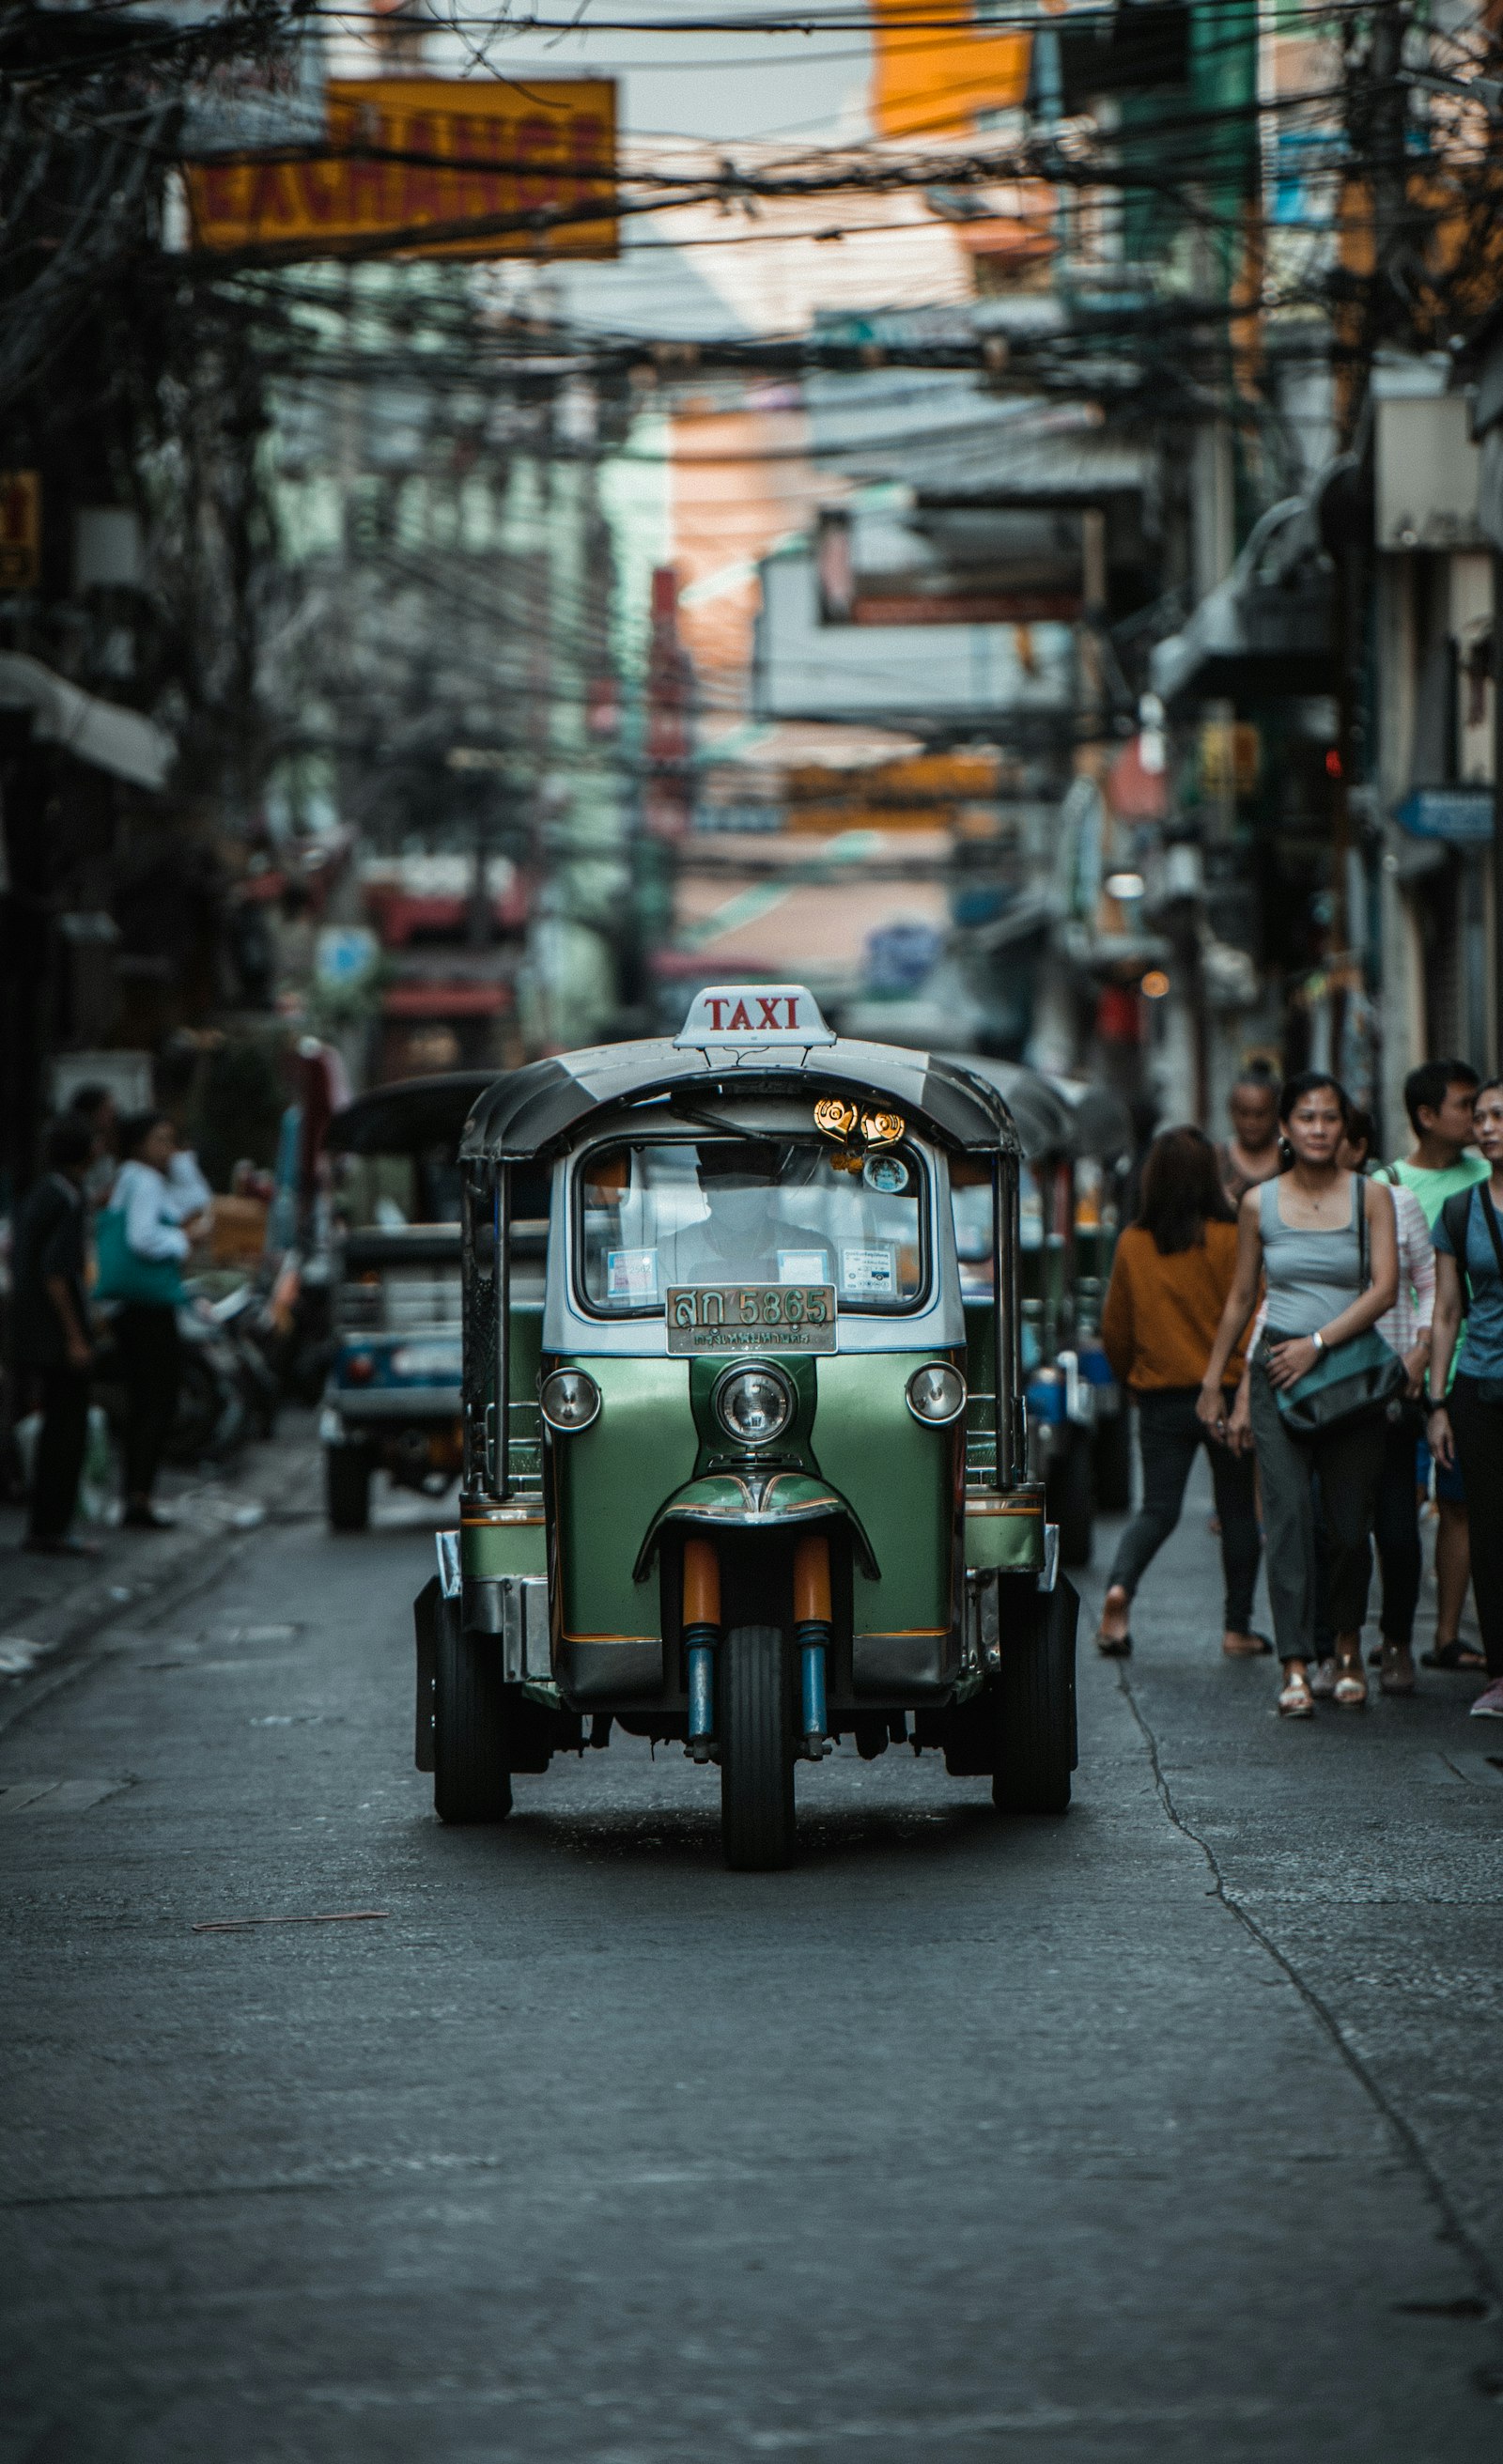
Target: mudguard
[[756, 1501]]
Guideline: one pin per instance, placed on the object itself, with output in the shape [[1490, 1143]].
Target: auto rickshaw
[[745, 1466], [391, 1403]]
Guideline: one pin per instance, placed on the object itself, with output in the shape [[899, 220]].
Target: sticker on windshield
[[886, 1174], [868, 1274], [632, 1274], [803, 1267]]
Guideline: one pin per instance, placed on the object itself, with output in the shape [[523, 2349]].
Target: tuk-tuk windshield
[[754, 1211]]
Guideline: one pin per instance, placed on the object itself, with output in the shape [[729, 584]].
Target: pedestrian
[[142, 1241], [1250, 1155], [95, 1105], [1466, 1424], [52, 1351], [1396, 1515], [1170, 1278], [1323, 1239], [1439, 1097]]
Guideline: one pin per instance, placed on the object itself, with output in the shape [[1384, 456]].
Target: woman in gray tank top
[[1301, 1233]]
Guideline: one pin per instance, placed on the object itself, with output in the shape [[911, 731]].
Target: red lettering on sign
[[741, 1017], [767, 1003], [717, 1005], [793, 1009]]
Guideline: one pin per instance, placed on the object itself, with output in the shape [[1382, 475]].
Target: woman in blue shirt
[[1469, 1427]]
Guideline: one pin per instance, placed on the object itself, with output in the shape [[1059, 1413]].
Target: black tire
[[471, 1774], [1036, 1709], [1113, 1467], [346, 1487], [756, 1728], [1071, 1500]]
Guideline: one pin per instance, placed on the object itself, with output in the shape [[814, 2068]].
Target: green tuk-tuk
[[745, 1462]]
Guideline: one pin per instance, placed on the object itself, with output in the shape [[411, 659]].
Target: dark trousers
[[1168, 1435], [59, 1449], [1396, 1530], [1477, 1426], [1346, 1463], [147, 1340]]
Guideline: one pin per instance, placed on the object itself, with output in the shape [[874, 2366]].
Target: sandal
[[1459, 1657], [1115, 1646], [1349, 1693], [1260, 1647], [1392, 1680], [1297, 1702]]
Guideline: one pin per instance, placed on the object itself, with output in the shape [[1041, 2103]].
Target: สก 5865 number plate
[[751, 1317]]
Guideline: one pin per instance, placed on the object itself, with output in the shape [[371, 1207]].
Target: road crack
[[1487, 2283]]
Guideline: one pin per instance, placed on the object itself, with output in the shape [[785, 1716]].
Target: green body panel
[[901, 1480], [489, 1548], [523, 1368], [609, 1482], [1012, 1542]]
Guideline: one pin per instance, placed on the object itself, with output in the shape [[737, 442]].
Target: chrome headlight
[[569, 1401], [937, 1393], [754, 1405]]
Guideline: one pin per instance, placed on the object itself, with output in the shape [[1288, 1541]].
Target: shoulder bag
[[1352, 1380], [125, 1274]]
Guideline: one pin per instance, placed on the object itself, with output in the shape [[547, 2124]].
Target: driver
[[743, 1239]]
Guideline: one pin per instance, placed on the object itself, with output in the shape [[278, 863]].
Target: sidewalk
[[53, 1608]]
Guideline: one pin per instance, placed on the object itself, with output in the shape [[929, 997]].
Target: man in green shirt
[[1439, 1098]]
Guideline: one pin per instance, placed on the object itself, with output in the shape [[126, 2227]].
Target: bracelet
[[1319, 1340]]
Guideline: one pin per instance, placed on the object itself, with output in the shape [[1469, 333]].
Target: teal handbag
[[125, 1274], [1350, 1380]]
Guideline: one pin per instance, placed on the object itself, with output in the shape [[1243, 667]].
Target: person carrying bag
[[1467, 1423], [141, 1246], [1318, 1392]]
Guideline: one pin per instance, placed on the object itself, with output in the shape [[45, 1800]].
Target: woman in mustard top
[[1170, 1279]]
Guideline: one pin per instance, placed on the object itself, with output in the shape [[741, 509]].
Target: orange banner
[[411, 161]]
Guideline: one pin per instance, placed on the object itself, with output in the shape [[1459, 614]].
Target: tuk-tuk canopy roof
[[535, 1110], [1067, 1117], [411, 1115]]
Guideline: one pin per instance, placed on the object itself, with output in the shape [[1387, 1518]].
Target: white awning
[[97, 732]]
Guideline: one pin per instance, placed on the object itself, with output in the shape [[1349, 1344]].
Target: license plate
[[751, 1317]]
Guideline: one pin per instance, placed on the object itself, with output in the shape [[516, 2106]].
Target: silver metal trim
[[753, 1369], [514, 1608], [1049, 1572]]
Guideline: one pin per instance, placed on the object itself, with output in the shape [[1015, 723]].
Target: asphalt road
[[1166, 2131]]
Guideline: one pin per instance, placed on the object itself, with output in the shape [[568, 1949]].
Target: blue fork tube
[[701, 1682], [812, 1641]]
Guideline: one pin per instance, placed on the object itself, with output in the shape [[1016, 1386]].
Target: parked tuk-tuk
[[746, 1465], [392, 1401]]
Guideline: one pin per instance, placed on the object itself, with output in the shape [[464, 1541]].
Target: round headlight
[[937, 1393], [754, 1405], [569, 1399]]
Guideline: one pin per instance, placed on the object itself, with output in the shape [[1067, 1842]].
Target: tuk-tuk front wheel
[[471, 1775], [755, 1708]]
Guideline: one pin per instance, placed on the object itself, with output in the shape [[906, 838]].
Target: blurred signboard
[[20, 530], [421, 165], [1461, 816]]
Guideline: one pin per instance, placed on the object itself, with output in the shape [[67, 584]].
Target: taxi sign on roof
[[753, 1014]]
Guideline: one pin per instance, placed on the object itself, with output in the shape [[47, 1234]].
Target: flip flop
[[1458, 1656], [1115, 1646]]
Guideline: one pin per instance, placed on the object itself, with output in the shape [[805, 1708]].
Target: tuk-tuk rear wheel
[[1035, 1710], [472, 1778], [757, 1747]]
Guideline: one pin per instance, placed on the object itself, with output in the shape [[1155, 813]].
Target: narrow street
[[1165, 2131]]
